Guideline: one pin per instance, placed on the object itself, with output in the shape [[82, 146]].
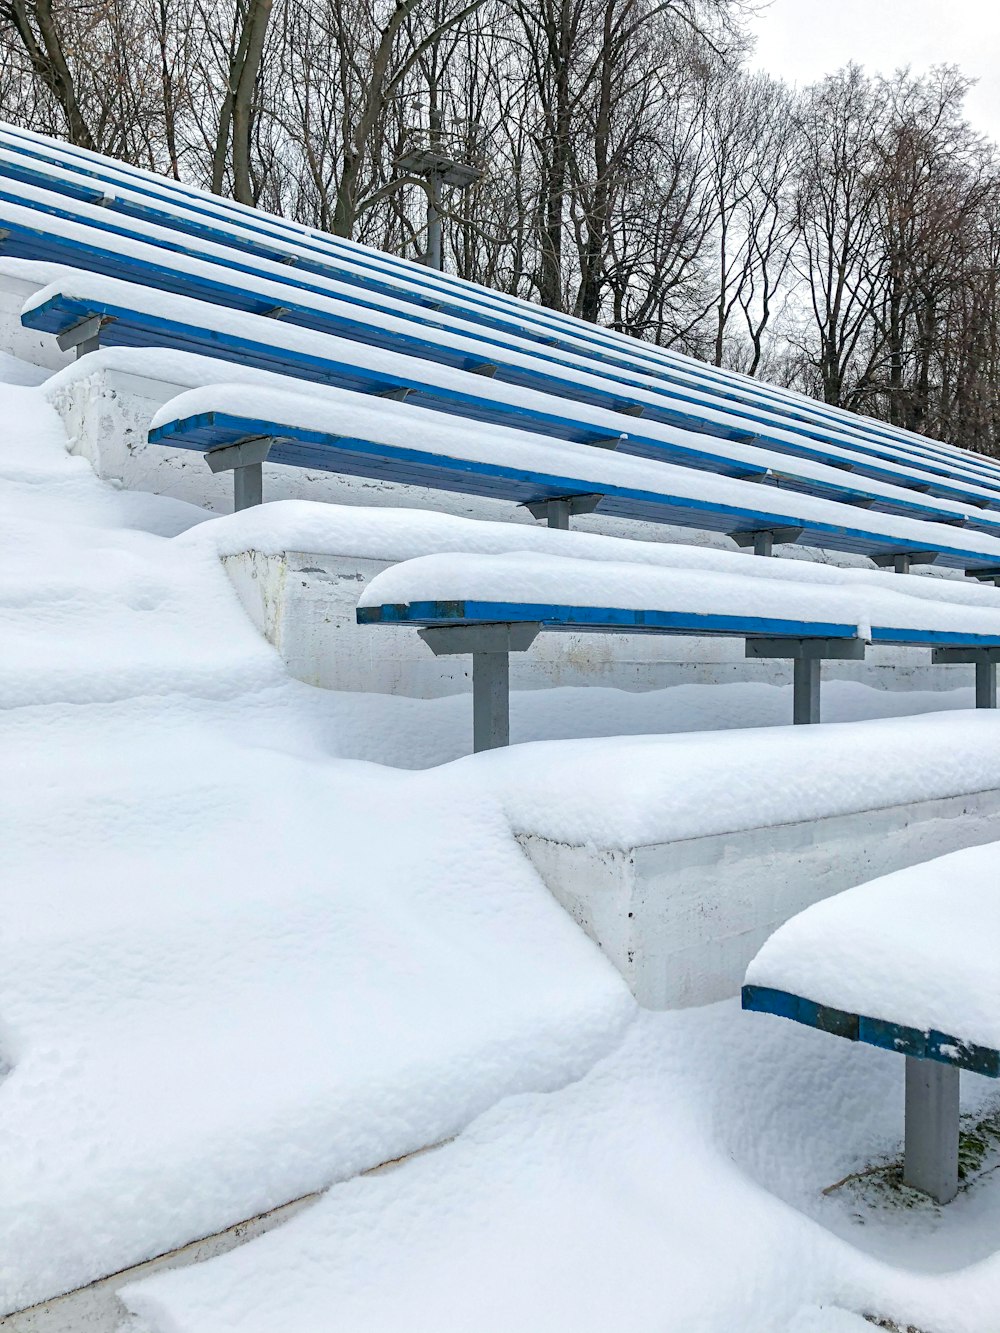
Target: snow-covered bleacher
[[250, 955], [92, 309], [906, 963], [490, 606], [49, 211]]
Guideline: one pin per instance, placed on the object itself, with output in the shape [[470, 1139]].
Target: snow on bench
[[491, 606], [127, 315], [238, 427], [90, 179], [213, 274], [908, 963]]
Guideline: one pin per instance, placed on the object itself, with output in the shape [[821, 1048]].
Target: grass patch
[[881, 1184]]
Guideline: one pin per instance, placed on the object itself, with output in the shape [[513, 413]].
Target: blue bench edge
[[929, 1045]]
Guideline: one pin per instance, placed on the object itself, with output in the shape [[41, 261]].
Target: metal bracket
[[487, 370], [450, 640], [900, 561], [845, 650], [276, 312], [631, 409], [85, 336], [396, 395], [984, 575], [244, 460], [560, 509], [607, 441], [763, 540], [985, 660]]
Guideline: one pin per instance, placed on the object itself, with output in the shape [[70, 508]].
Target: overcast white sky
[[801, 40]]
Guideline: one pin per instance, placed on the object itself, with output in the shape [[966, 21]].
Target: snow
[[635, 791], [527, 579], [197, 893], [918, 947], [241, 965], [564, 463], [13, 371], [677, 1187], [404, 534]]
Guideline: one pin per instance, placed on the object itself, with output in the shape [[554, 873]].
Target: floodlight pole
[[435, 258]]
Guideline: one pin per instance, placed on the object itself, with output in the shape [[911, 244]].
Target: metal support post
[[985, 660], [490, 646], [558, 510], [248, 486], [805, 690], [986, 683], [764, 540], [245, 460], [807, 659], [984, 576], [930, 1158], [557, 514], [490, 701]]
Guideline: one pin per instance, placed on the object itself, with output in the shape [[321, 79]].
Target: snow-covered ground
[[247, 956]]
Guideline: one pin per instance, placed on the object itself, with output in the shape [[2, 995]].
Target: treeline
[[844, 238]]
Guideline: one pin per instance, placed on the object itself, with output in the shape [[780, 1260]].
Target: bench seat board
[[921, 1045]]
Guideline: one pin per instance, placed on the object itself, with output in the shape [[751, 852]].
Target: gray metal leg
[[986, 684], [248, 486], [806, 681], [930, 1162], [557, 514], [763, 543], [490, 701]]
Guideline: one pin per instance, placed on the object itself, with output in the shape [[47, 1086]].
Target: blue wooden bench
[[599, 483], [88, 320], [490, 629], [89, 179], [933, 1064], [906, 963], [241, 283]]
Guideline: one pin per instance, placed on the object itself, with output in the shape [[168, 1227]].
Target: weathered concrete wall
[[682, 920], [41, 349], [304, 603]]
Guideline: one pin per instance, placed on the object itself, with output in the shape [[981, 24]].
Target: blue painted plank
[[921, 1045], [367, 458], [600, 619]]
